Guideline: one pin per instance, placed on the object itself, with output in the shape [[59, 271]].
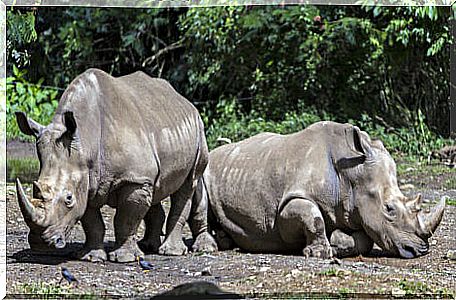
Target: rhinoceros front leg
[[94, 229], [133, 203], [353, 244], [154, 220], [301, 222]]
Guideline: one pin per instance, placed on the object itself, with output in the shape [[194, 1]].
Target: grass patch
[[450, 183], [414, 287], [44, 290], [334, 272], [420, 288], [451, 201], [26, 169]]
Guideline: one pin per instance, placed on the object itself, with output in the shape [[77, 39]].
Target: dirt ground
[[254, 275]]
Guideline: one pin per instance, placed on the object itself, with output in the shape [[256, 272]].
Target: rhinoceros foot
[[173, 247], [92, 255], [204, 243], [125, 255], [318, 250], [224, 241]]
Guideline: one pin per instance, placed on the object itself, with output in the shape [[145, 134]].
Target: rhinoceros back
[[139, 128]]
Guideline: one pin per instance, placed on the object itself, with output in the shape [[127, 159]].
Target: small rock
[[335, 261], [206, 272], [264, 269], [433, 242], [408, 186], [397, 292], [295, 272], [451, 254], [260, 285]]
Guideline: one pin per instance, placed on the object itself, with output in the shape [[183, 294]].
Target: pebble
[[206, 271], [451, 254], [408, 186], [264, 269], [295, 272]]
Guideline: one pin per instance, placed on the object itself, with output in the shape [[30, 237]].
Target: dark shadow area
[[50, 257], [73, 251]]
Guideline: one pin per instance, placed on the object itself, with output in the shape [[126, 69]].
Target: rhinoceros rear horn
[[28, 209], [430, 220]]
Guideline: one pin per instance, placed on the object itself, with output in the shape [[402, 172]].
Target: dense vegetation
[[252, 68]]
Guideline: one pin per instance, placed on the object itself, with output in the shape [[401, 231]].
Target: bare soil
[[254, 275]]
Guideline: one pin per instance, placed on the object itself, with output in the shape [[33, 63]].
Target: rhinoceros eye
[[390, 209], [69, 200]]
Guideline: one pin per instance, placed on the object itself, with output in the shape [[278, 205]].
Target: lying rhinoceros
[[127, 142], [329, 184]]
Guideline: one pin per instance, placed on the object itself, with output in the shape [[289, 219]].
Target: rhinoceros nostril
[[59, 242]]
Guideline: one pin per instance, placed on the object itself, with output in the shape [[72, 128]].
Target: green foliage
[[39, 103], [21, 32], [416, 140], [26, 169], [117, 40], [377, 61]]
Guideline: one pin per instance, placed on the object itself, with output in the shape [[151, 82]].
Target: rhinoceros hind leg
[[94, 229], [177, 217], [133, 204], [345, 245], [204, 241], [301, 222], [154, 220]]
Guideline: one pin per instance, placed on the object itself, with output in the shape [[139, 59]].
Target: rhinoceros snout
[[58, 241]]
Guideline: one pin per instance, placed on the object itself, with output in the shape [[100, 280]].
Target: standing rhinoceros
[[329, 184], [127, 142]]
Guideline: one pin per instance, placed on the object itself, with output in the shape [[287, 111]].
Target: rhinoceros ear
[[70, 123], [27, 125], [359, 147], [358, 141]]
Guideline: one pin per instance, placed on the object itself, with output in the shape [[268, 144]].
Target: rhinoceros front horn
[[430, 220], [28, 209]]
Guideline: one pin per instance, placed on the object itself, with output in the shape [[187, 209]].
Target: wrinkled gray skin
[[326, 191], [127, 142]]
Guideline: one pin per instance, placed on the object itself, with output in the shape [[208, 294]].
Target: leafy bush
[[416, 141], [37, 102]]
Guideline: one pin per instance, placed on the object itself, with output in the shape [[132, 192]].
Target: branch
[[174, 46]]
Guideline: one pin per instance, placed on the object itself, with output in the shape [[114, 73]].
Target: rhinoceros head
[[60, 193], [399, 225]]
